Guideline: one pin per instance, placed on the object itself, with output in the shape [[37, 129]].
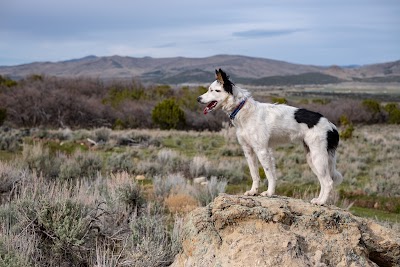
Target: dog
[[261, 126]]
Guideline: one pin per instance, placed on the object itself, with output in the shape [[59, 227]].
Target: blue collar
[[237, 109]]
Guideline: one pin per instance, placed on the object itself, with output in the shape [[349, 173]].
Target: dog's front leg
[[253, 166], [267, 160]]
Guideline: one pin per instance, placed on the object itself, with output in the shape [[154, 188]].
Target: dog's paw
[[317, 201], [266, 194], [251, 193]]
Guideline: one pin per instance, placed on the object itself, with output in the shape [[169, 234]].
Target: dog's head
[[218, 92]]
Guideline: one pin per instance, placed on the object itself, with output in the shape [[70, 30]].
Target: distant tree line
[[41, 101], [87, 103]]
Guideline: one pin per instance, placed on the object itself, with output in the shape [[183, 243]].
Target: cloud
[[166, 45], [257, 33]]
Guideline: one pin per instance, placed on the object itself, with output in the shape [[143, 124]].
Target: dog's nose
[[199, 99]]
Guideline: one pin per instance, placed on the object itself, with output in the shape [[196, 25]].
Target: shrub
[[279, 100], [62, 226], [172, 183], [10, 139], [372, 105], [11, 258], [4, 81], [11, 178], [168, 115], [168, 161], [70, 169], [206, 193], [348, 130], [120, 162], [38, 158], [89, 162], [394, 113], [321, 101], [151, 242], [102, 134], [132, 197], [199, 166]]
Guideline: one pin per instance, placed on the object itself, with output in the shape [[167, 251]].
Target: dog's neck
[[233, 102]]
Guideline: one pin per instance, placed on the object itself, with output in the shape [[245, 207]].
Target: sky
[[315, 32]]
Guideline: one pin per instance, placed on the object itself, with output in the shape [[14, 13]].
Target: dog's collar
[[237, 109]]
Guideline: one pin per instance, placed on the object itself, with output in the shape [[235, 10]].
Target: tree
[[168, 115]]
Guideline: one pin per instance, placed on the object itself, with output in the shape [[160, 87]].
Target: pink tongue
[[209, 107]]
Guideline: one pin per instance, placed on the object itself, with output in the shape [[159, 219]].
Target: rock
[[140, 177], [281, 231], [199, 180]]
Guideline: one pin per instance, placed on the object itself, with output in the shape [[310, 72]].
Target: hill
[[177, 70]]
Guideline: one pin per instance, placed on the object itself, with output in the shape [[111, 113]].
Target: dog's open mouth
[[210, 107]]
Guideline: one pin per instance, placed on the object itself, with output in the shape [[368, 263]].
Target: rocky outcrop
[[281, 231]]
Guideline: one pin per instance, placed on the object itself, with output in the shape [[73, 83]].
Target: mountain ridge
[[177, 70]]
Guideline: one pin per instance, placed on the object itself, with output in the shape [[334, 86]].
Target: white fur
[[260, 126]]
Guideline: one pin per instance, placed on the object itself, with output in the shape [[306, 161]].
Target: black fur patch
[[227, 83], [333, 140], [310, 118]]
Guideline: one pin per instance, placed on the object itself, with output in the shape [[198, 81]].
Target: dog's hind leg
[[267, 160], [253, 166], [319, 163]]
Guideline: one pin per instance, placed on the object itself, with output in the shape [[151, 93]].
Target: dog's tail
[[335, 174]]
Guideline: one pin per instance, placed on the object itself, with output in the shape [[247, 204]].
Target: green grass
[[65, 147], [378, 215], [195, 145], [6, 155]]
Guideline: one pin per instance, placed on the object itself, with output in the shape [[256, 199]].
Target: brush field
[[90, 197], [113, 196]]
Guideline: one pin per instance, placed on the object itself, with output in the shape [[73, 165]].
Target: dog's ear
[[224, 79], [218, 76]]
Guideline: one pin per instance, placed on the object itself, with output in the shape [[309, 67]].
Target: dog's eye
[[218, 91]]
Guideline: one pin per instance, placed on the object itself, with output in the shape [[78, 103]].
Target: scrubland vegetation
[[92, 174]]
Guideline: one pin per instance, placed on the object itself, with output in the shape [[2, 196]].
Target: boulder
[[199, 180], [281, 231]]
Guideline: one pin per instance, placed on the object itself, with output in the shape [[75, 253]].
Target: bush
[[348, 130], [11, 258], [152, 244], [90, 163], [11, 139], [279, 100], [168, 115], [206, 194], [394, 113], [102, 134], [372, 105], [7, 82], [199, 166], [62, 227], [120, 162], [132, 197], [39, 159], [172, 183]]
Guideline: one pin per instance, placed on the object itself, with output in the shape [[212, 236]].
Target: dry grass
[[95, 190], [181, 203]]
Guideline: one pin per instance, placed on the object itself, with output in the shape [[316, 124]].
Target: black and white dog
[[260, 126]]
